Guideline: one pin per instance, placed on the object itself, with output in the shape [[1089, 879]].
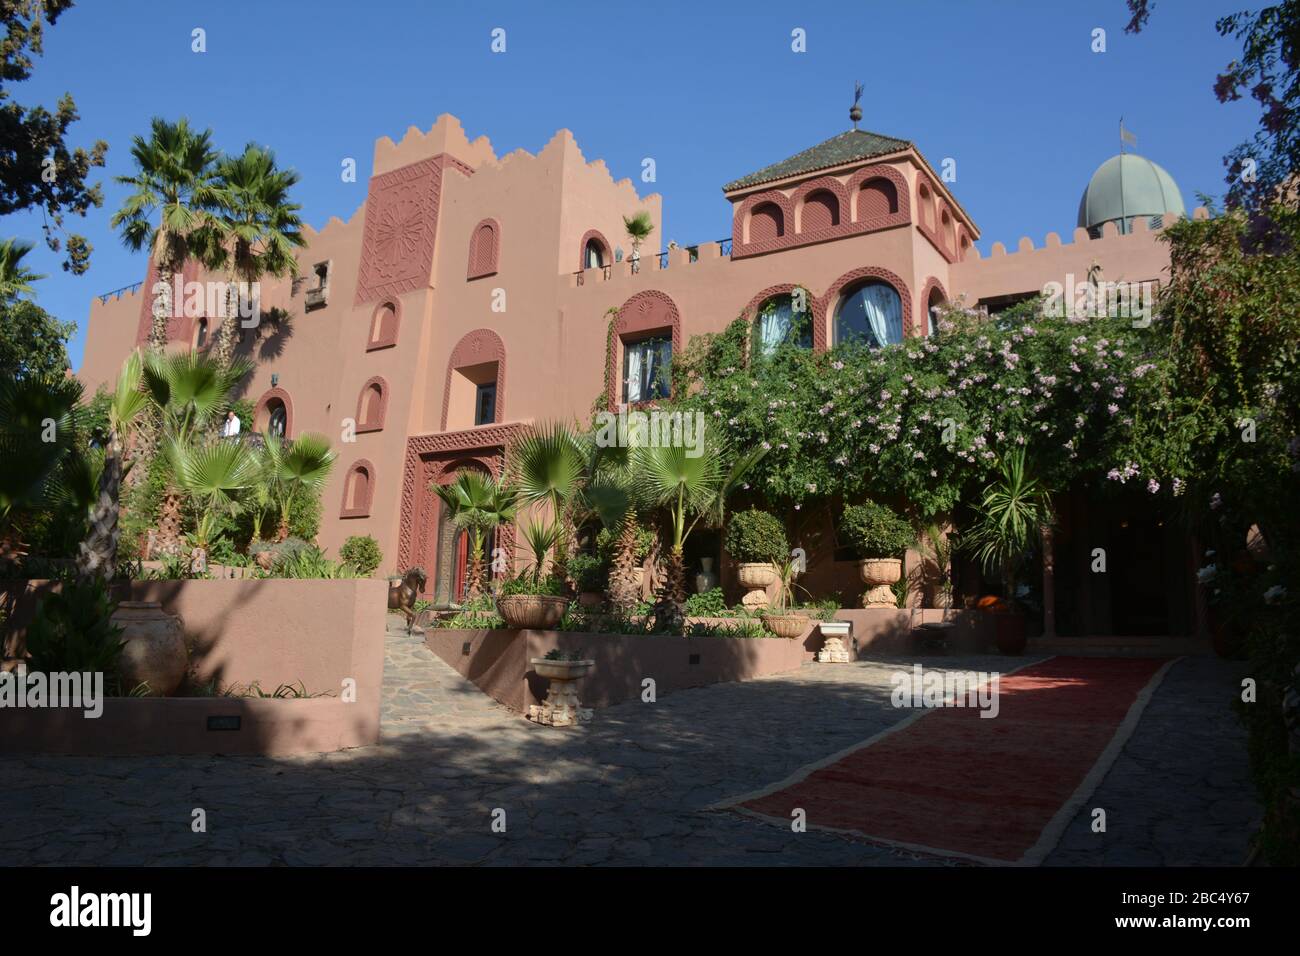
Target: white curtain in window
[[634, 373], [774, 326], [884, 312]]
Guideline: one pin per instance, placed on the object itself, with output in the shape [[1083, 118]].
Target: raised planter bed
[[315, 634]]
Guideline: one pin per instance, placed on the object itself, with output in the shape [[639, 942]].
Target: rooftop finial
[[855, 111]]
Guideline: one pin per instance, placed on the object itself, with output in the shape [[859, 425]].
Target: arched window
[[358, 489], [201, 334], [932, 311], [924, 216], [483, 246], [821, 210], [372, 404], [877, 198], [594, 255], [277, 422], [871, 314], [766, 222], [777, 324], [383, 327]]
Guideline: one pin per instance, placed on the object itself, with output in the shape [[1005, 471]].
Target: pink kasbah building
[[470, 295]]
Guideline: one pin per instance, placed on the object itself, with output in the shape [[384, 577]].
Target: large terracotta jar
[[155, 654], [880, 575], [755, 577], [533, 612]]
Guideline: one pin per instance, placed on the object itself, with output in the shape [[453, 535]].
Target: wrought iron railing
[[118, 293]]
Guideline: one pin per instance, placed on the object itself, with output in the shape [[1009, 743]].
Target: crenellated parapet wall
[[1137, 256]]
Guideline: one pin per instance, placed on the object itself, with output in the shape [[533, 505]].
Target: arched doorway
[[452, 545]]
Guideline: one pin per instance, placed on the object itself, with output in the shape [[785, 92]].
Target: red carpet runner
[[998, 790]]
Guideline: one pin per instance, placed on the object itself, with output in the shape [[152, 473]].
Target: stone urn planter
[[534, 612], [880, 575], [787, 624], [755, 577], [833, 650], [155, 653], [561, 707]]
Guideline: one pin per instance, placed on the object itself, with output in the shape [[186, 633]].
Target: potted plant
[[756, 541], [533, 600], [880, 536], [589, 573], [1013, 510], [784, 620]]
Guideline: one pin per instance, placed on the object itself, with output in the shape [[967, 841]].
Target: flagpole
[[1123, 219]]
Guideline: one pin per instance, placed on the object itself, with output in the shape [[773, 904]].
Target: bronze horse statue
[[403, 595]]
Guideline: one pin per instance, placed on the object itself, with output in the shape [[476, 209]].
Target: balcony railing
[[724, 250], [118, 293]]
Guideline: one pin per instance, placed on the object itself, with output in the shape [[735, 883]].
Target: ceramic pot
[[155, 653], [534, 612], [705, 580], [880, 575]]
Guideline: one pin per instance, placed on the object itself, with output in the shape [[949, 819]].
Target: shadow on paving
[[627, 789]]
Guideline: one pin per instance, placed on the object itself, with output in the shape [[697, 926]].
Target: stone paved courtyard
[[627, 789]]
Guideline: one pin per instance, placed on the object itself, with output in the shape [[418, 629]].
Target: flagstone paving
[[630, 788]]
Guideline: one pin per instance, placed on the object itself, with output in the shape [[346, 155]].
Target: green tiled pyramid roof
[[845, 148]]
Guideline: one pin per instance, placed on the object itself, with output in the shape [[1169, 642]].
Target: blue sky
[[711, 91]]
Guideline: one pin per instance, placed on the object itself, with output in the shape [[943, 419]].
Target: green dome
[[1126, 186]]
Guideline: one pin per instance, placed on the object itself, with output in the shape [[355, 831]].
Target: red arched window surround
[[364, 495], [262, 412], [582, 248], [376, 421], [484, 249], [815, 305], [649, 311], [931, 286], [385, 336], [831, 299], [476, 348], [799, 201]]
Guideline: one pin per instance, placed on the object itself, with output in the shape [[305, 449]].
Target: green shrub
[[589, 572], [362, 552], [549, 586], [72, 631], [311, 563], [288, 549], [876, 531], [755, 536], [709, 603]]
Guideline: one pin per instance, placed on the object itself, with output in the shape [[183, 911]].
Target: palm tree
[[638, 229], [478, 503], [1013, 511], [303, 465], [211, 475], [550, 468], [693, 488], [15, 278], [174, 179], [38, 425], [188, 391], [97, 555], [256, 229]]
